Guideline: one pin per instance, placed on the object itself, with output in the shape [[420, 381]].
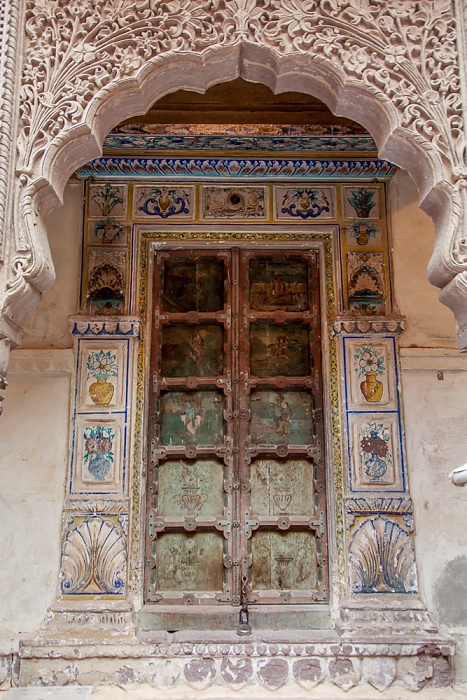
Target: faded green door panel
[[236, 503]]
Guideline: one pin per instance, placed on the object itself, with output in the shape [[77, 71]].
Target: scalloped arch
[[114, 61]]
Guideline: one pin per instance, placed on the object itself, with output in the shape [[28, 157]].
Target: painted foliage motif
[[106, 282], [275, 286], [192, 351], [99, 455], [281, 487], [371, 375], [189, 561], [283, 561], [107, 199], [376, 457], [190, 488], [102, 366], [369, 361], [281, 418], [365, 280], [193, 286], [109, 231], [279, 349], [304, 203], [363, 202], [362, 232], [192, 417], [164, 202]]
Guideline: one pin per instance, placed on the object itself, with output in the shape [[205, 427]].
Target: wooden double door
[[235, 493]]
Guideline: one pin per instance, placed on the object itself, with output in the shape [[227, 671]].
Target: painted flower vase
[[101, 391], [362, 238], [372, 388], [375, 467], [99, 467]]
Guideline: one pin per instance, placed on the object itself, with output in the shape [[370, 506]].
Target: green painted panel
[[278, 285], [279, 349], [193, 286], [192, 418], [192, 351], [190, 562], [282, 487], [191, 488], [281, 418], [283, 560]]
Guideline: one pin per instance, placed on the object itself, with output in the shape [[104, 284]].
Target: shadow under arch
[[44, 169]]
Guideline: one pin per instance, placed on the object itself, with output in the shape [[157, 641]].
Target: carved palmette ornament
[[94, 558], [382, 558]]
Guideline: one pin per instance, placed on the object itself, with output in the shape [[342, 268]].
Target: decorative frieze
[[296, 140], [227, 665], [260, 166], [390, 324], [91, 327]]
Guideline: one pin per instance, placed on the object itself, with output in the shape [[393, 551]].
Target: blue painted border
[[97, 414], [396, 411], [236, 168]]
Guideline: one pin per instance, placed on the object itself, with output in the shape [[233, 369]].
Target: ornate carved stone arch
[[395, 67]]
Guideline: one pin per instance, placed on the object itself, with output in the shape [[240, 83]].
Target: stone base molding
[[190, 662]]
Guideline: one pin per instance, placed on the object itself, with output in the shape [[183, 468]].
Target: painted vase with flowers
[[101, 365]]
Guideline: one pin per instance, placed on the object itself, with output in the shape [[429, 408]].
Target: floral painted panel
[[279, 349], [164, 202], [187, 562], [276, 285], [98, 456], [363, 233], [237, 203], [102, 370], [362, 202], [284, 560], [191, 418], [375, 452], [193, 286], [108, 231], [304, 203], [191, 488], [282, 487], [366, 283], [106, 282], [281, 418], [107, 199], [371, 375], [192, 351]]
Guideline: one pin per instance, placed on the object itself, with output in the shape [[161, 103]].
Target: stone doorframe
[[399, 69]]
